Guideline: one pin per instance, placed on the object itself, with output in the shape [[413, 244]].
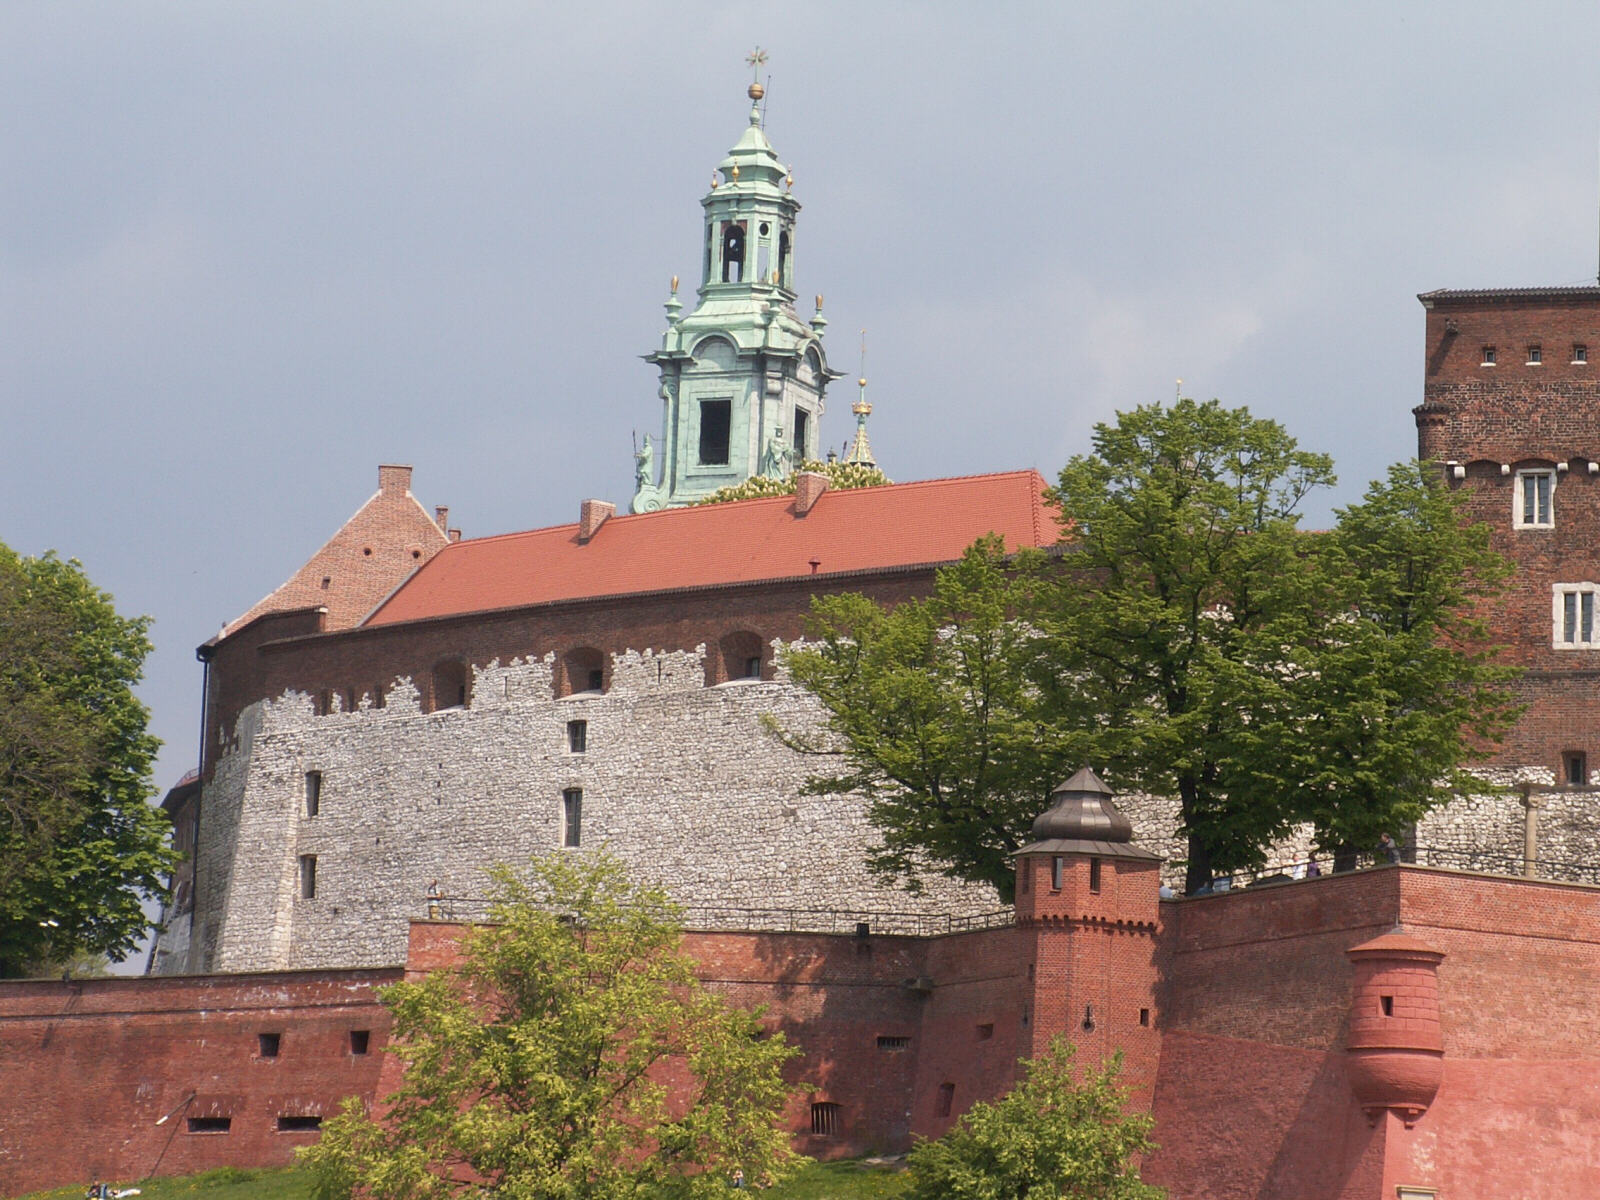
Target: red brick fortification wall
[[90, 1066], [883, 1023], [1251, 1100], [1518, 1112]]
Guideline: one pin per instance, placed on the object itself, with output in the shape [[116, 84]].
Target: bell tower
[[742, 376]]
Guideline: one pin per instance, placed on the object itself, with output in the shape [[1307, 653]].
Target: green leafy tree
[[540, 1068], [1050, 1137], [1179, 614], [80, 845], [841, 476], [933, 714], [1191, 642], [1398, 688]]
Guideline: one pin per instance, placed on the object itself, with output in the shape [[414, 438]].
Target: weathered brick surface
[[90, 1066]]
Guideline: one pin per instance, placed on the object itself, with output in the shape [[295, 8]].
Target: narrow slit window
[[947, 1099], [308, 877], [571, 816], [1058, 866], [577, 737], [802, 434], [313, 793], [1387, 1004], [1144, 1017], [1094, 875]]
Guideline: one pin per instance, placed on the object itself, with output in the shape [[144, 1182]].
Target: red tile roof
[[743, 541]]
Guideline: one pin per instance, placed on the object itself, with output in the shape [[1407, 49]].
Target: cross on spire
[[756, 60]]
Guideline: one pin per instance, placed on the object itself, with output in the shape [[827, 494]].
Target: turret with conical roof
[[742, 376]]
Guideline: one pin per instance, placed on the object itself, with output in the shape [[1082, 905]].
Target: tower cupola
[[742, 377]]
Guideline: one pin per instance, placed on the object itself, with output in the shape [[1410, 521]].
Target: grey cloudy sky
[[249, 251]]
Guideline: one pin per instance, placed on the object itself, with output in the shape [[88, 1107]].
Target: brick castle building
[[412, 706]]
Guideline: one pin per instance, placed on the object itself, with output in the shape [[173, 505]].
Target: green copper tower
[[742, 376]]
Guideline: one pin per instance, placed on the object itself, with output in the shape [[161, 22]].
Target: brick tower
[[1087, 900], [1511, 410]]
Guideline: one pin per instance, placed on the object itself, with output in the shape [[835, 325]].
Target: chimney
[[808, 489], [455, 535], [394, 479], [441, 517], [591, 516]]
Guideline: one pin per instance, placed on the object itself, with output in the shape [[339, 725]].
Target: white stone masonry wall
[[679, 780]]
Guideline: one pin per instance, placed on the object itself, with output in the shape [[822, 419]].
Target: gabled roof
[[1586, 291], [388, 537], [745, 541]]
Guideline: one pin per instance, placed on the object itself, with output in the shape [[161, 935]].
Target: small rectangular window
[[893, 1043], [597, 679], [985, 1031], [1058, 867], [1144, 1017], [299, 1124], [313, 793], [577, 737], [571, 816], [360, 1040], [947, 1098], [1574, 616], [1535, 356], [826, 1119], [268, 1044], [1580, 354], [1094, 875], [752, 667], [1535, 500], [210, 1124], [1575, 768], [802, 430], [1387, 1004], [308, 877], [1488, 357], [716, 417]]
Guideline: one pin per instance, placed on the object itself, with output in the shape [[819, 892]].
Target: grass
[[819, 1181]]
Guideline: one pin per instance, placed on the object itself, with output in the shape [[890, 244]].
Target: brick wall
[[90, 1066]]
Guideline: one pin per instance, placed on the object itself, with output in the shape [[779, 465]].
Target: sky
[[250, 251]]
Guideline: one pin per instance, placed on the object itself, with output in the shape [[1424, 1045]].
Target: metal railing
[[709, 917], [1480, 860]]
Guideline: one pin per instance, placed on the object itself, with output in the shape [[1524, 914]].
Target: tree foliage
[[540, 1068], [841, 475], [1050, 1137], [79, 843], [1188, 641], [935, 718]]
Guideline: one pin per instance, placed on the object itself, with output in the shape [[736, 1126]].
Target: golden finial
[[774, 277], [788, 180], [756, 61], [674, 285], [819, 301], [714, 181], [735, 172]]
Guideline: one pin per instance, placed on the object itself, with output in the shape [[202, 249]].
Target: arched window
[[733, 252], [581, 670], [449, 684], [740, 655], [783, 257]]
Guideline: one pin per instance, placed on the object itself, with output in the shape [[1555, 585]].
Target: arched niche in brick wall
[[581, 670], [450, 685], [740, 655]]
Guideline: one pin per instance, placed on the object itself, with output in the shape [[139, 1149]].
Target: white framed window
[[1535, 356], [1488, 357], [1580, 353], [1534, 505], [1572, 616]]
